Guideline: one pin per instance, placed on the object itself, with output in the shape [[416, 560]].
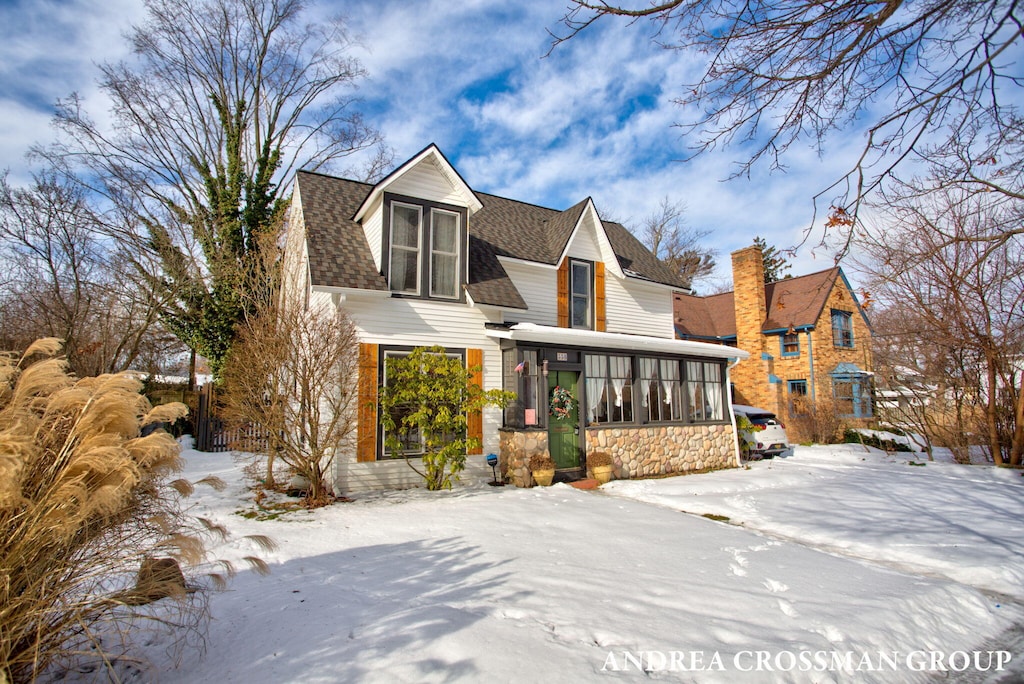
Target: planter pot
[[543, 477], [602, 474]]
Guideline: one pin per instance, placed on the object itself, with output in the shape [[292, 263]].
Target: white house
[[535, 297]]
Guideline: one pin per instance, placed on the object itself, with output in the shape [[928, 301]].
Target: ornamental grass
[[87, 499]]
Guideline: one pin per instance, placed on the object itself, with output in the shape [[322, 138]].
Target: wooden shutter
[[600, 320], [475, 419], [563, 294], [366, 432]]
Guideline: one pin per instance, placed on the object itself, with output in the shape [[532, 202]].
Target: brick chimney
[[750, 376]]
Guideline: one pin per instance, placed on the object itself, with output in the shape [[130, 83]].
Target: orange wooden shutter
[[366, 432], [563, 295], [600, 320], [475, 419]]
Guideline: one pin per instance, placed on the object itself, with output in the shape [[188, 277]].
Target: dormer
[[416, 224]]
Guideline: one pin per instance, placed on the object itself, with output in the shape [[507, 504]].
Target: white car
[[766, 438]]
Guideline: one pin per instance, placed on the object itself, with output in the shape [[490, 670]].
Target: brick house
[[808, 337]]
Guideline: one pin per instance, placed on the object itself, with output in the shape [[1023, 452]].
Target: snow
[[834, 550]]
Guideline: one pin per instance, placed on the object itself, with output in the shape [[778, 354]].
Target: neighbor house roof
[[790, 303], [339, 255]]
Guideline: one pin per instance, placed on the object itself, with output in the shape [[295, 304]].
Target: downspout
[[810, 362], [732, 416]]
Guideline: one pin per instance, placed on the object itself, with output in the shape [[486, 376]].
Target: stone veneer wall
[[516, 448], [646, 451], [637, 452]]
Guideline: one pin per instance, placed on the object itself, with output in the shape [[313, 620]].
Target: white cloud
[[50, 50], [595, 118]]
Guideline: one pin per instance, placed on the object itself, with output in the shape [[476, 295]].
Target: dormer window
[[405, 248], [425, 243], [444, 254]]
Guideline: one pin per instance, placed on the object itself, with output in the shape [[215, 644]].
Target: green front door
[[563, 433]]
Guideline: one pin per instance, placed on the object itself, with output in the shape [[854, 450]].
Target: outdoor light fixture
[[492, 460], [544, 368]]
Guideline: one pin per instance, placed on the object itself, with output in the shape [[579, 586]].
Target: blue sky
[[595, 118]]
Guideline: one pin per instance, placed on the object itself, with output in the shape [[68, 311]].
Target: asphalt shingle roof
[[339, 255], [791, 303]]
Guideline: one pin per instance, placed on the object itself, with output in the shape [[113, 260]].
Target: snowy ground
[[836, 564]]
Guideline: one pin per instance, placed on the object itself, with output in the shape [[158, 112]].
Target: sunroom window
[[609, 389], [660, 390]]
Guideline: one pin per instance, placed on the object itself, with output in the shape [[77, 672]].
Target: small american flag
[[521, 367]]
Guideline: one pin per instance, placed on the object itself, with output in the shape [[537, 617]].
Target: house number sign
[[562, 356]]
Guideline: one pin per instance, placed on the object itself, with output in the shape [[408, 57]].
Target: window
[[852, 395], [842, 328], [705, 391], [609, 389], [797, 397], [522, 375], [424, 244], [660, 390], [412, 442], [581, 287], [405, 248], [790, 344], [444, 254]]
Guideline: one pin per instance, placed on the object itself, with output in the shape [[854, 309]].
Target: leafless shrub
[[293, 371], [817, 419]]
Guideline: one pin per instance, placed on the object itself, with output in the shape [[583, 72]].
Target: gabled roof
[[705, 317], [340, 257], [798, 302], [791, 303], [432, 154]]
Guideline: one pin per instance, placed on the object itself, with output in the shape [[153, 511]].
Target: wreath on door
[[561, 402]]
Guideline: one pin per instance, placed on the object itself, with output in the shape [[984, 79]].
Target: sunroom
[[656, 406]]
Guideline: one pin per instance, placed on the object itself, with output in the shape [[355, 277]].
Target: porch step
[[584, 484]]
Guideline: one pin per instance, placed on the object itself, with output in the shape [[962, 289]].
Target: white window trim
[[590, 294], [458, 254], [419, 247]]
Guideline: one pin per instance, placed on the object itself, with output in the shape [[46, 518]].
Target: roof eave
[[532, 332]]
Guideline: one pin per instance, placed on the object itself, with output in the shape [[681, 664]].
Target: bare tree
[[966, 294], [782, 71], [222, 102], [925, 383], [676, 243], [293, 372], [68, 282]]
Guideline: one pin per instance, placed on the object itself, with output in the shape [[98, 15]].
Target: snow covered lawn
[[836, 565]]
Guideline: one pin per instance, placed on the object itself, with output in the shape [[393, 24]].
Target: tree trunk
[[268, 479], [192, 370], [1017, 445], [990, 412]]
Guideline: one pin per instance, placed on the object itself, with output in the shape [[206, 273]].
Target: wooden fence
[[212, 434]]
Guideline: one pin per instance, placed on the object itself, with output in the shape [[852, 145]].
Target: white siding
[[539, 288], [295, 266], [425, 181], [583, 245], [409, 322], [373, 226], [638, 308]]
